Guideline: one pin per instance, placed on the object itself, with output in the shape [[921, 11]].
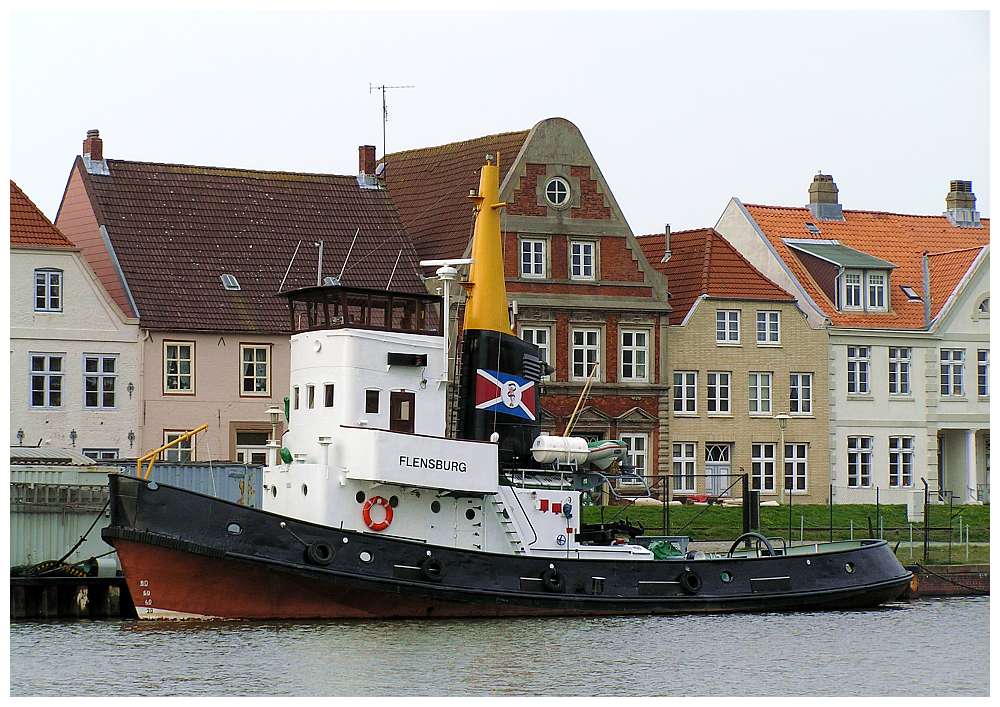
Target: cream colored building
[[749, 374]]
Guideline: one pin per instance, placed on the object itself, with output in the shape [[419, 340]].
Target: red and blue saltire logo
[[505, 393]]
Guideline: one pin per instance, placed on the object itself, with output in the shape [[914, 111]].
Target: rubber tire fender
[[553, 581], [431, 569], [319, 554], [690, 582]]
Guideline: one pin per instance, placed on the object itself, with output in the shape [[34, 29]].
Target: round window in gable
[[557, 191]]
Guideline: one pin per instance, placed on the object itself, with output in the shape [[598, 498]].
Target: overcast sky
[[681, 109]]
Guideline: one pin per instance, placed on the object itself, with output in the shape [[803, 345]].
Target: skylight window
[[812, 228], [910, 293], [229, 282]]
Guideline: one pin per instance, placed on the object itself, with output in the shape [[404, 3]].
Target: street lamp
[[20, 436], [782, 420], [72, 437]]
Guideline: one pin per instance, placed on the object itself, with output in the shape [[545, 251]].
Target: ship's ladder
[[507, 525]]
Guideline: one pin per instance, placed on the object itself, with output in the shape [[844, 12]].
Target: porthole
[[557, 191], [305, 490], [274, 491], [470, 514], [234, 529], [726, 577], [365, 556], [393, 501], [435, 507], [360, 497], [849, 568]]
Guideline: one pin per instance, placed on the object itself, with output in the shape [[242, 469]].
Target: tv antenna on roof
[[385, 111]]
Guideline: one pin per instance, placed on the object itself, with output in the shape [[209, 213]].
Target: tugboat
[[369, 511]]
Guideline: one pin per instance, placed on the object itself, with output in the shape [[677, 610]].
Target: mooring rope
[[951, 581]]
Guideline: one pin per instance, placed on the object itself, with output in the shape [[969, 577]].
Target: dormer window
[[910, 293], [855, 280], [876, 290], [852, 290]]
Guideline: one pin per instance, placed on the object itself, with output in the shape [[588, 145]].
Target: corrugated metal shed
[[48, 455]]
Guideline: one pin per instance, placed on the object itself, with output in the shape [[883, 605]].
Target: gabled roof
[[29, 228], [430, 187], [946, 272], [702, 262], [900, 239], [176, 229]]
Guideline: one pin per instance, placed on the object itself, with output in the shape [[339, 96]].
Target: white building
[[905, 299], [74, 364]]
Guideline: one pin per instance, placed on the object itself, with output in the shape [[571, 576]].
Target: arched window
[[48, 290], [984, 306]]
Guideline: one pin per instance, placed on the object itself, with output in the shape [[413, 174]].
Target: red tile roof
[[176, 228], [702, 262], [947, 270], [430, 187], [900, 239], [28, 225]]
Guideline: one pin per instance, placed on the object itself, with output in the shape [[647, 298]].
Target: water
[[929, 647]]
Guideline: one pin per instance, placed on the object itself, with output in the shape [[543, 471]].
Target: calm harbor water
[[929, 647]]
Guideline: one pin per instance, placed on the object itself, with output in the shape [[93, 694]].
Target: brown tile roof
[[176, 228], [947, 270], [900, 239], [28, 225], [702, 262], [431, 185]]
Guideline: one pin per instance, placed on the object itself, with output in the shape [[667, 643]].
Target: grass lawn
[[717, 523], [938, 555]]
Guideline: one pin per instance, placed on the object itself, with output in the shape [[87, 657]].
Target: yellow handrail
[[151, 456]]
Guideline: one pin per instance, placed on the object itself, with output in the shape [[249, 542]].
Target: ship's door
[[401, 406]]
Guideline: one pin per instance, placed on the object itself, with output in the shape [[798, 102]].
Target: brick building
[[579, 284]]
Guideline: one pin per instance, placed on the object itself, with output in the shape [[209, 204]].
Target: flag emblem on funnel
[[505, 393]]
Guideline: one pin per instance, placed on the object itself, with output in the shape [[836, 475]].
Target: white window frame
[[877, 291], [637, 444], [854, 289], [800, 387], [190, 345], [859, 366], [684, 467], [100, 453], [590, 353], [47, 375], [581, 265], [180, 453], [796, 463], [50, 280], [719, 394], [256, 348], [860, 449], [530, 334], [983, 373], [727, 327], [685, 392], [768, 328], [760, 387], [900, 360], [633, 356], [763, 467], [101, 378], [901, 461], [952, 373], [566, 191], [532, 253]]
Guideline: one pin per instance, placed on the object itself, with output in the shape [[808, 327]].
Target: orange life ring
[[366, 513]]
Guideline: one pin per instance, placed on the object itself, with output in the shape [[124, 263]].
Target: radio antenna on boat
[[289, 268]]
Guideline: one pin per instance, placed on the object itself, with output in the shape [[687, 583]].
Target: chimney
[[366, 160], [824, 200], [961, 205], [93, 146]]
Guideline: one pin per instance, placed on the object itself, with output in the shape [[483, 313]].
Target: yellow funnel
[[486, 304]]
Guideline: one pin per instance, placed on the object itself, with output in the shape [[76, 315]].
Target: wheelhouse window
[[762, 467], [48, 290], [768, 328], [100, 376], [46, 380], [637, 445], [952, 372], [180, 452], [295, 397], [796, 467], [255, 370], [859, 461], [760, 393], [727, 326], [858, 367], [634, 354], [178, 367], [684, 467], [540, 337], [719, 392], [900, 461], [328, 395], [685, 392], [372, 401], [581, 255], [800, 393], [310, 396], [983, 372], [899, 370], [532, 258], [586, 354]]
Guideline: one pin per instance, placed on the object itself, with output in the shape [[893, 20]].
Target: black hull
[[180, 560]]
